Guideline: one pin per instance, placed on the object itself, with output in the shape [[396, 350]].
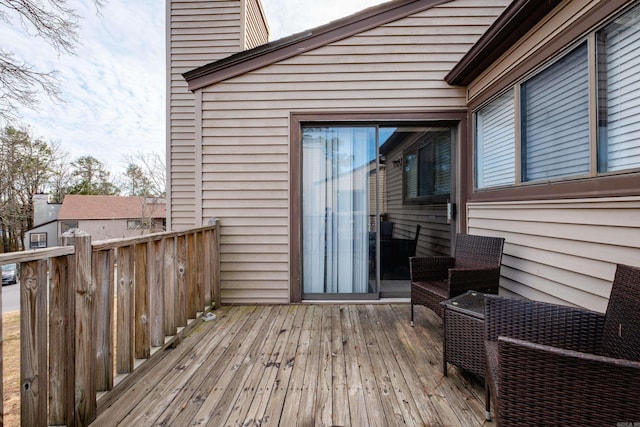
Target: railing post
[[215, 287], [62, 371], [181, 296], [141, 303], [103, 277], [33, 343], [192, 308], [124, 323], [170, 283], [85, 402], [156, 283]]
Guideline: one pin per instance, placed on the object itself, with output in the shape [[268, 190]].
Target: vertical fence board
[[206, 265], [191, 277], [33, 343], [124, 324], [181, 306], [156, 283], [216, 265], [199, 290], [141, 303], [170, 280], [62, 376], [103, 276], [85, 405]]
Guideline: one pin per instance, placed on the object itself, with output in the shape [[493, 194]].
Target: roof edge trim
[[514, 22], [287, 47]]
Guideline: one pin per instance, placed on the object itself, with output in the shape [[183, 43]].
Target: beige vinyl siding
[[200, 32], [561, 18], [562, 251], [256, 28], [435, 234], [245, 134]]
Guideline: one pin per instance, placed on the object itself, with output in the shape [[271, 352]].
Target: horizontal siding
[[257, 31], [561, 18], [435, 233], [245, 135], [562, 251], [200, 32]]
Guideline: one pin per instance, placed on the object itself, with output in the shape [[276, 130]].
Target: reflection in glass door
[[372, 196], [338, 164]]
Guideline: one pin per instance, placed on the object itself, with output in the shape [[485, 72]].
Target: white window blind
[[619, 70], [495, 143], [555, 119]]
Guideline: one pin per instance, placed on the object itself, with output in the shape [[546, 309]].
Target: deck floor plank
[[171, 384], [276, 402], [182, 411], [338, 385], [305, 365], [257, 368]]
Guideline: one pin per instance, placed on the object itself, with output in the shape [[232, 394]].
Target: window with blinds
[[427, 166], [618, 47], [550, 125], [495, 143], [555, 119]]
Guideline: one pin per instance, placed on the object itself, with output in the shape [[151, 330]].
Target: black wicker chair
[[549, 364], [474, 266]]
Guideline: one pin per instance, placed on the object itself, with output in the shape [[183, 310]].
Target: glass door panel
[[339, 167]]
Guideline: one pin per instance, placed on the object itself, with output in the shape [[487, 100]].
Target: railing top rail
[[128, 241], [36, 254]]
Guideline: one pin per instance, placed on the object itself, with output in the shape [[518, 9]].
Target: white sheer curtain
[[335, 196]]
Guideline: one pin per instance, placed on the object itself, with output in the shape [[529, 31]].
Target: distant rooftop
[[80, 207]]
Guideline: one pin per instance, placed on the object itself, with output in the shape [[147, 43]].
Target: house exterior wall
[[198, 32], [245, 128], [51, 229], [104, 229], [435, 232], [561, 245], [256, 28]]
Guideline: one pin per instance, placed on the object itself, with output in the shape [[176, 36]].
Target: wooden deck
[[305, 365]]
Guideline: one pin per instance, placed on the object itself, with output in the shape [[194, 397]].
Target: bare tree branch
[[54, 22]]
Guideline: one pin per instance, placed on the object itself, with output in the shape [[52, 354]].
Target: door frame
[[460, 164]]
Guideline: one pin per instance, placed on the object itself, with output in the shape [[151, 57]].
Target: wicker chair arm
[[545, 385], [430, 268], [543, 323]]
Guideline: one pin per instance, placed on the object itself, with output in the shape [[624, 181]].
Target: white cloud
[[288, 17], [114, 86]]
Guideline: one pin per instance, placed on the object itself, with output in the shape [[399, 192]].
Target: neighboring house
[[296, 144], [45, 224], [109, 217]]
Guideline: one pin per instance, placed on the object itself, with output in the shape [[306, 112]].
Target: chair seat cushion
[[437, 287]]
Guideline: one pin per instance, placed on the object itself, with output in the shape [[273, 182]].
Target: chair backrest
[[386, 229], [472, 250], [414, 244], [621, 334]]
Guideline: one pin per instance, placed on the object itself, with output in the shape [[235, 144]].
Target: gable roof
[[305, 41], [80, 207], [514, 22]]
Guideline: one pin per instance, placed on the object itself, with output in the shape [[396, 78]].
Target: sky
[[114, 86]]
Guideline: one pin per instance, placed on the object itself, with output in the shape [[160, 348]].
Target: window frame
[[427, 198], [39, 246], [544, 61]]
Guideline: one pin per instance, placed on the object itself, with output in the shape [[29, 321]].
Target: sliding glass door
[[338, 185], [372, 196]]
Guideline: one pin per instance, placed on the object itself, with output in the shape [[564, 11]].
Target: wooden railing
[[91, 313]]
